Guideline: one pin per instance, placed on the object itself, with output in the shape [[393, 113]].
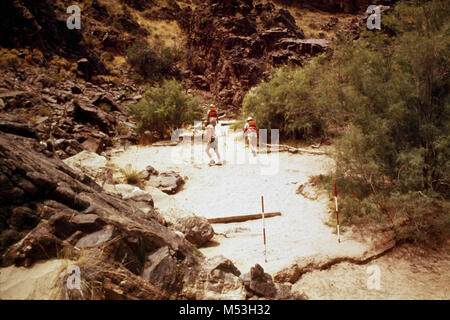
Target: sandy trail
[[236, 188]]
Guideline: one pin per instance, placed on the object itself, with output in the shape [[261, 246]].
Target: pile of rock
[[67, 116]]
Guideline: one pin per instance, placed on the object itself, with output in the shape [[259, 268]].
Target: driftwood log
[[284, 148], [243, 218]]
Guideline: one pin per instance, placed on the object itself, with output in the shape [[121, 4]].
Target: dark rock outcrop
[[232, 45], [84, 215], [337, 5], [11, 124], [66, 115], [48, 211], [41, 24]]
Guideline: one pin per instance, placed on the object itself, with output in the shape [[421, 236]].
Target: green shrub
[[132, 176], [287, 103], [392, 165], [10, 60], [165, 108], [390, 95], [153, 62]]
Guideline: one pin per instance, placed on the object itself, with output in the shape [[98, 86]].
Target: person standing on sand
[[212, 141], [251, 131]]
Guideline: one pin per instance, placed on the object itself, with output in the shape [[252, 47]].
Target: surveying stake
[[337, 212], [264, 229]]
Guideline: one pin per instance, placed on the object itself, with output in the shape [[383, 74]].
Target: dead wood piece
[[243, 218]]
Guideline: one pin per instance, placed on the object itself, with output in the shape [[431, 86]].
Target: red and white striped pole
[[337, 211], [264, 229]]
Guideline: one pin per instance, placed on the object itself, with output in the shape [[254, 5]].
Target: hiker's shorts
[[252, 137], [213, 145]]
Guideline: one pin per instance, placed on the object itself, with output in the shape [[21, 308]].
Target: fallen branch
[[282, 148], [243, 218]]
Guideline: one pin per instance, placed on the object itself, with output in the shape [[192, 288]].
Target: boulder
[[260, 283], [91, 164], [76, 89], [87, 223], [169, 182], [96, 239], [197, 230], [160, 268], [85, 113], [61, 224], [23, 218], [314, 46], [105, 98], [138, 197], [70, 146], [149, 171], [129, 192], [223, 264], [93, 145], [10, 123], [217, 280]]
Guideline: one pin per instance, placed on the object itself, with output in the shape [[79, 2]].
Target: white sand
[[236, 189], [403, 274]]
